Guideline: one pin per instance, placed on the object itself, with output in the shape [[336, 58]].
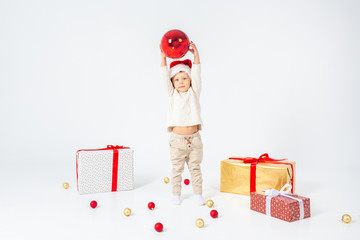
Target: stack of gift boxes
[[269, 182]]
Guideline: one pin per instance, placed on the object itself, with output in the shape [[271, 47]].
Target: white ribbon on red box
[[270, 193]]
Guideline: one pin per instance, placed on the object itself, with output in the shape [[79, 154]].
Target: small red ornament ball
[[151, 205], [214, 214], [93, 204], [186, 181], [158, 227], [175, 44]]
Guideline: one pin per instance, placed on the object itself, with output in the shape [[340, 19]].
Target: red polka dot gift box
[[107, 169], [281, 204]]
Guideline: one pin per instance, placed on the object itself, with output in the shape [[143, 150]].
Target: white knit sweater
[[184, 108]]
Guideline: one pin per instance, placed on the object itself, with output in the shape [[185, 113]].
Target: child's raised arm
[[194, 51], [195, 71], [163, 58], [165, 74]]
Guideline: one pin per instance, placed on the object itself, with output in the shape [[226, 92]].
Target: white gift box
[[105, 170]]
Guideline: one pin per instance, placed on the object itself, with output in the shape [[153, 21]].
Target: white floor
[[35, 206]]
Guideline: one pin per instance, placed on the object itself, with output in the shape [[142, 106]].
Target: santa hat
[[180, 66]]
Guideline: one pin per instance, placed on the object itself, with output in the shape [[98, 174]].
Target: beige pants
[[189, 149]]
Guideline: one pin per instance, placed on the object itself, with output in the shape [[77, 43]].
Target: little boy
[[183, 84]]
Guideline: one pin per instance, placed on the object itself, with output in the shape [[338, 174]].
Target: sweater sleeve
[[165, 78], [196, 78]]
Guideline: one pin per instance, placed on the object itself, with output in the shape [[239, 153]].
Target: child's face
[[181, 82]]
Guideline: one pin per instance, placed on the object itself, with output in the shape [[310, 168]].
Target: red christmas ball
[[93, 204], [158, 227], [175, 44], [151, 205], [186, 181], [214, 214]]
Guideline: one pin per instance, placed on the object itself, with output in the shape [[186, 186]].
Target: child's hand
[[194, 51], [162, 52]]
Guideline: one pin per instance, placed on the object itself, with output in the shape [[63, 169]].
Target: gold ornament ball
[[65, 185], [199, 223], [210, 203], [346, 218], [127, 211], [166, 180]]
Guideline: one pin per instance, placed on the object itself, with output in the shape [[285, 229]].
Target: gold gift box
[[235, 176]]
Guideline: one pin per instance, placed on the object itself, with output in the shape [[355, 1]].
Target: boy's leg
[[178, 157], [195, 158]]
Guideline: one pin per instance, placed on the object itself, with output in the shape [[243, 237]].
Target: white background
[[278, 76]]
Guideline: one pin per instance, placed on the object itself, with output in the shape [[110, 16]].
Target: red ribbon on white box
[[115, 163], [270, 193]]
